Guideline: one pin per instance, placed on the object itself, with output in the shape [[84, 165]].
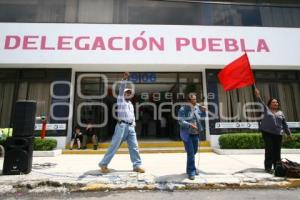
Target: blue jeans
[[191, 148], [123, 132]]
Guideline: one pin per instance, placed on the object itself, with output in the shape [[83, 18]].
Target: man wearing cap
[[124, 130]]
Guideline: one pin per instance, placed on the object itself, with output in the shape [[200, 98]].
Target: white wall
[[214, 141], [61, 142]]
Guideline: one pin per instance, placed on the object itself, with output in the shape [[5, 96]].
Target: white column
[[71, 106], [207, 132]]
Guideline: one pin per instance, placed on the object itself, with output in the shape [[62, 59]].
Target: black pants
[[272, 149]]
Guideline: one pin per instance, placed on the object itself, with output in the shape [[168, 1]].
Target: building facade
[[69, 55]]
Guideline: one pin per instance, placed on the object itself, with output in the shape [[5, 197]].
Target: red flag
[[237, 74]]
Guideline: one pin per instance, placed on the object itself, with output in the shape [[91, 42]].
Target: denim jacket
[[187, 116]]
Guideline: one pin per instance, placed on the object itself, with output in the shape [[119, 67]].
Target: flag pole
[[254, 85]]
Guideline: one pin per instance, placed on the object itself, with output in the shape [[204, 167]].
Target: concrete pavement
[[163, 172]]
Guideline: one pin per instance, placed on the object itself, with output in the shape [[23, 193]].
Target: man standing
[[124, 130], [189, 117]]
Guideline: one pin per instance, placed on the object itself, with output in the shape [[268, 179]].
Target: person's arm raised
[[257, 94], [123, 85]]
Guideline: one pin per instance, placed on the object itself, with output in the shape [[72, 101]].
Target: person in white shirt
[[124, 130]]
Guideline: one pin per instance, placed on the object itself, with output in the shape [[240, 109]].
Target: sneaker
[[197, 172], [139, 170], [104, 169], [191, 177]]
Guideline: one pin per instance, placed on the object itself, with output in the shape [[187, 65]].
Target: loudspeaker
[[18, 155], [24, 118]]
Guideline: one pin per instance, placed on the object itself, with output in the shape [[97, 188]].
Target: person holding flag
[[238, 74], [272, 125]]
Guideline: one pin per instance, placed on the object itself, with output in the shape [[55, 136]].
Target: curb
[[50, 186], [294, 182], [191, 186], [52, 153]]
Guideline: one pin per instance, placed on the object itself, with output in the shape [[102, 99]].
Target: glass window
[[250, 15], [113, 77], [236, 13], [190, 77], [288, 95], [32, 11], [33, 74], [40, 92], [8, 74], [91, 86], [287, 76], [6, 103], [271, 75], [231, 15], [32, 84], [18, 13], [282, 85], [142, 12], [280, 16], [91, 11]]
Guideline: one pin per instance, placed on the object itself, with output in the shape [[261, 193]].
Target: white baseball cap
[[128, 89]]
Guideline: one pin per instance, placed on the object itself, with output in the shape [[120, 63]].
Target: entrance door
[[156, 95]]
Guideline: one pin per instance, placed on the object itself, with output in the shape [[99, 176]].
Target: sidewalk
[[163, 172]]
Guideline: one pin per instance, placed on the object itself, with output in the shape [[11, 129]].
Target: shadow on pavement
[[95, 173], [98, 173], [171, 178], [46, 165], [250, 170], [209, 173]]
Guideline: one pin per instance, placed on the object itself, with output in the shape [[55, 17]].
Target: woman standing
[[273, 125]]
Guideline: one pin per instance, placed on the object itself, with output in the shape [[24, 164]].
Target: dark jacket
[[76, 135], [274, 123], [89, 132]]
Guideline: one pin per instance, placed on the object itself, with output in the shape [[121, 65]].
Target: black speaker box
[[18, 155], [24, 118]]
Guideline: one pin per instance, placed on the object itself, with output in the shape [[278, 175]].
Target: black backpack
[[287, 168]]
